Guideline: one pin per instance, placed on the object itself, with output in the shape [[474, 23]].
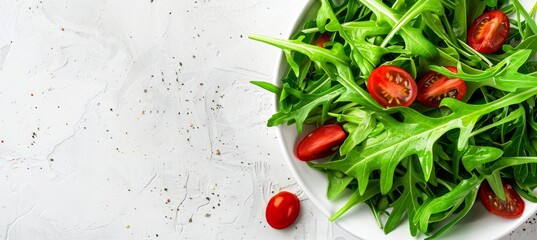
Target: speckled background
[[131, 119]]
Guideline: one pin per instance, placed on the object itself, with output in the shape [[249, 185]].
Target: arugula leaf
[[356, 33], [491, 3], [420, 6], [465, 189], [469, 201], [359, 124], [475, 8], [476, 156], [410, 198], [357, 198], [529, 20], [337, 181], [336, 57], [459, 20], [268, 86], [415, 42], [327, 20], [307, 103], [504, 76]]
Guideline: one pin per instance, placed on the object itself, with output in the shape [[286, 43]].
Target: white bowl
[[359, 221]]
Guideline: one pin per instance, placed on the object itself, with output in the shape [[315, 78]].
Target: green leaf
[[337, 58], [337, 183], [526, 192], [505, 162], [357, 198], [315, 53], [529, 20], [415, 42], [268, 86], [469, 201], [359, 124], [459, 20], [327, 20], [504, 76], [465, 191], [307, 103], [491, 3], [410, 198], [475, 9], [434, 6], [496, 184], [476, 156], [356, 33], [528, 43]]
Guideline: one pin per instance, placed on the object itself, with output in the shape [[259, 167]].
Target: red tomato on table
[[282, 210]]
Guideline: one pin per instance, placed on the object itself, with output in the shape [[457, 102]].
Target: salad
[[422, 106]]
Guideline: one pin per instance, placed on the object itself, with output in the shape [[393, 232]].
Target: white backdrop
[[131, 119]]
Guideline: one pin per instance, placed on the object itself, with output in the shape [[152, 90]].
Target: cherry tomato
[[433, 87], [322, 142], [512, 208], [392, 86], [489, 32], [282, 210], [325, 37]]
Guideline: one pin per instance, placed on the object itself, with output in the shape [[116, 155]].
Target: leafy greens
[[415, 162]]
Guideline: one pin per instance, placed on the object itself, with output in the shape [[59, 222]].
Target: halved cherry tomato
[[512, 208], [325, 37], [433, 87], [392, 86], [322, 142], [282, 210], [489, 32]]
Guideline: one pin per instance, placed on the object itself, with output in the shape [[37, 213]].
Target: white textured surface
[[132, 119]]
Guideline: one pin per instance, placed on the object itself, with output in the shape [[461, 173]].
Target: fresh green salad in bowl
[[412, 115]]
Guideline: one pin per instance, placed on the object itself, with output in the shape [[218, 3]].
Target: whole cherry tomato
[[282, 210], [322, 142]]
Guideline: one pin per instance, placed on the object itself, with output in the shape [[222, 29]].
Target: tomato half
[[322, 142], [282, 210], [489, 32], [392, 86], [433, 87], [512, 208], [325, 37]]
